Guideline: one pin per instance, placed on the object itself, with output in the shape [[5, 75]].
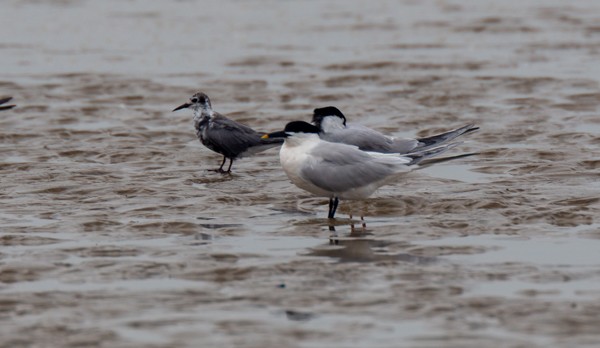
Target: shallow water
[[115, 233]]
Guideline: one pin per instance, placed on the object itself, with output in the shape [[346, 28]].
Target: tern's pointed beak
[[280, 134], [182, 106], [6, 100]]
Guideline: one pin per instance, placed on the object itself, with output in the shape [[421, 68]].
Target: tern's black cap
[[320, 113]]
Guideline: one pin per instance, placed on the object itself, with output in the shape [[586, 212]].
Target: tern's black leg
[[333, 204], [230, 163], [220, 170]]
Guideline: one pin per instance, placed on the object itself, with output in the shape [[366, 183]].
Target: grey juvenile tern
[[332, 126], [340, 171], [231, 139]]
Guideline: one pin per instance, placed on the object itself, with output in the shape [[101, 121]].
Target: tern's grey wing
[[369, 140], [340, 167], [230, 137], [438, 139], [234, 139], [366, 139], [404, 145]]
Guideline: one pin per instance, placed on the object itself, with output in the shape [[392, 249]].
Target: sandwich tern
[[332, 127], [231, 139], [340, 171]]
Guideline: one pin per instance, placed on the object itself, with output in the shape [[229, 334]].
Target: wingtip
[[472, 128], [420, 156]]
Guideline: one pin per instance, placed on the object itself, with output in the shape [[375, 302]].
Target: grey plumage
[[222, 135], [342, 167], [369, 140], [442, 138], [333, 127], [233, 140], [418, 157]]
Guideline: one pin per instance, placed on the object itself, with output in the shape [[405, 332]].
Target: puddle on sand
[[566, 265], [50, 285], [559, 251], [458, 172]]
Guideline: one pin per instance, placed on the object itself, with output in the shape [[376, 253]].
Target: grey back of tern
[[332, 126], [222, 135]]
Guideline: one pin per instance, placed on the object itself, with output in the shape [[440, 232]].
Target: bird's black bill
[[280, 134], [6, 107], [182, 106]]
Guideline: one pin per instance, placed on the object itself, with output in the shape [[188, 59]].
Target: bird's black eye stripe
[[194, 100]]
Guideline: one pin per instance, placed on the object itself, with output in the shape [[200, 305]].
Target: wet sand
[[116, 234]]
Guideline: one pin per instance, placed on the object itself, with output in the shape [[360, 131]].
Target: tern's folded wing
[[370, 140], [439, 139], [231, 137], [339, 168]]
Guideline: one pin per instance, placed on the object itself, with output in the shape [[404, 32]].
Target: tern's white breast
[[295, 155]]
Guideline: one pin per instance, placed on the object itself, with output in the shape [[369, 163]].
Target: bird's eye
[[194, 100]]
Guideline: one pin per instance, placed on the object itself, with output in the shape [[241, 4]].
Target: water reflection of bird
[[4, 101], [340, 171], [332, 127], [366, 250], [231, 139]]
